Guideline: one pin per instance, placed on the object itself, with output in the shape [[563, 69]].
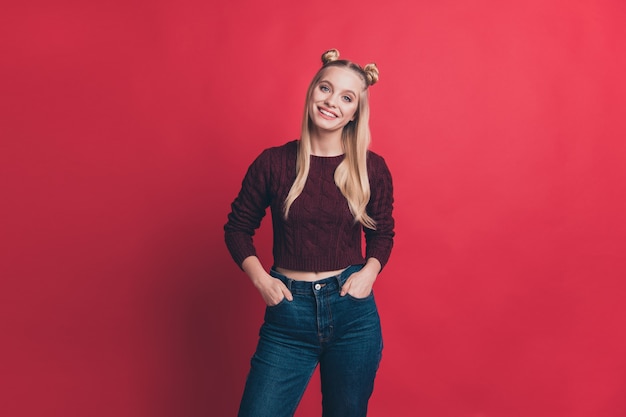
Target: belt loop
[[339, 278], [289, 281]]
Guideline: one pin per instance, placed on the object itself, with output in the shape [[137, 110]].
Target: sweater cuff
[[380, 256]]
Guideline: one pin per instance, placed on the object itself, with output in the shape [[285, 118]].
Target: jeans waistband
[[310, 287]]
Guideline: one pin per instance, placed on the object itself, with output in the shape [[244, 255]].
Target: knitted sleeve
[[379, 242], [248, 209]]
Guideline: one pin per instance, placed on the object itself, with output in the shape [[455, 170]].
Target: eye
[[325, 88], [347, 99]]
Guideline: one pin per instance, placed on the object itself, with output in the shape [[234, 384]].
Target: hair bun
[[371, 72], [330, 56]]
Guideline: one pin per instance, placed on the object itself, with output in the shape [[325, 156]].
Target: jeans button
[[317, 287]]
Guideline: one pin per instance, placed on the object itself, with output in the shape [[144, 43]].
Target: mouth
[[327, 113]]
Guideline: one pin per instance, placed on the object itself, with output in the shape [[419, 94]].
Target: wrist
[[255, 271], [373, 265]]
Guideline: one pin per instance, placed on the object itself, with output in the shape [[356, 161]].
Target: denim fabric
[[341, 334]]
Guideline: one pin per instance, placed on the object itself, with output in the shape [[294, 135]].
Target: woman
[[324, 191]]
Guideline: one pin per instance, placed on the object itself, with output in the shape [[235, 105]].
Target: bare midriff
[[308, 276]]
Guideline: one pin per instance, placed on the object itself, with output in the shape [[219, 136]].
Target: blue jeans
[[341, 334]]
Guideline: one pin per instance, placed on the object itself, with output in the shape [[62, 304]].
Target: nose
[[330, 100]]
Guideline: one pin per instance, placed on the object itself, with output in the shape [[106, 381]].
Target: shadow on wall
[[197, 337]]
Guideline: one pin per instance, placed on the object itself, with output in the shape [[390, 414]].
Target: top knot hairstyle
[[369, 73], [351, 175]]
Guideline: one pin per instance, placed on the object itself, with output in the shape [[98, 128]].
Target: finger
[[346, 287], [273, 298], [273, 295], [272, 302], [284, 291], [287, 294]]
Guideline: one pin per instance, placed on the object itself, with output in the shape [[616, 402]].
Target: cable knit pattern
[[320, 233]]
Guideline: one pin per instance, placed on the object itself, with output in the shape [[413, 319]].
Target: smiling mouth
[[327, 113]]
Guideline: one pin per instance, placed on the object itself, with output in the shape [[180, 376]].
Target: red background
[[126, 130]]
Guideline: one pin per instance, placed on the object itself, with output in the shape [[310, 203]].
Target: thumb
[[345, 288], [287, 294]]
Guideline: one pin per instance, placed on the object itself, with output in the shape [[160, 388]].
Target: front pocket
[[360, 300], [280, 303]]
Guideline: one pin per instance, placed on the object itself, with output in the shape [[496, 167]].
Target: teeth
[[327, 113]]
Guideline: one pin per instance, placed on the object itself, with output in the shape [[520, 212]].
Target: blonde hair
[[351, 174]]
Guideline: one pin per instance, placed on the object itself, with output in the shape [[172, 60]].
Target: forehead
[[343, 78]]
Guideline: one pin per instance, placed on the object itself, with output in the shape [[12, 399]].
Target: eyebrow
[[332, 85]]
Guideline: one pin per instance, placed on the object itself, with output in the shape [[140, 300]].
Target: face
[[335, 99]]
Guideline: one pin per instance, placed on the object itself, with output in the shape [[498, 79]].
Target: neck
[[326, 143]]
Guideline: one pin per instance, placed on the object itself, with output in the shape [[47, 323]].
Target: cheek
[[350, 111], [312, 107], [315, 98], [317, 95]]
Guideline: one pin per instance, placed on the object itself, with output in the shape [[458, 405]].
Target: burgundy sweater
[[320, 233]]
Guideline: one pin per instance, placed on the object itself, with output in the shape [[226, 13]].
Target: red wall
[[126, 130]]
